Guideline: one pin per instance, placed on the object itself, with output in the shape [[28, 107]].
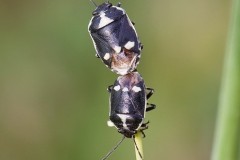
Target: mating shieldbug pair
[[117, 45]]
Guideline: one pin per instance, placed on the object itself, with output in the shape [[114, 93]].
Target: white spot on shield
[[110, 123], [117, 88], [123, 119], [106, 56], [119, 8], [129, 45], [117, 49], [125, 89], [104, 20], [136, 89]]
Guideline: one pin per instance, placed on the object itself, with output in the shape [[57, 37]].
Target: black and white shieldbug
[[115, 38], [128, 104]]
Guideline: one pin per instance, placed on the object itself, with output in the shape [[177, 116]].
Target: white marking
[[104, 20], [117, 88], [94, 44], [139, 126], [131, 25], [90, 24], [129, 45], [123, 119], [107, 32], [136, 89], [125, 89], [139, 56], [117, 49], [119, 8], [106, 56], [122, 71], [110, 124]]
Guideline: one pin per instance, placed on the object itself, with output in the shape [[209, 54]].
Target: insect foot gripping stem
[[117, 45]]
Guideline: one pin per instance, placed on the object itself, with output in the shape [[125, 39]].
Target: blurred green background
[[53, 98]]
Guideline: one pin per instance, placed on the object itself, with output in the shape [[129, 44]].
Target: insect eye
[[109, 5]]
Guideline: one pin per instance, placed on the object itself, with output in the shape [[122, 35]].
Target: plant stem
[[226, 142], [138, 146]]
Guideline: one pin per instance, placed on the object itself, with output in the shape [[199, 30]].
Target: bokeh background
[[53, 98]]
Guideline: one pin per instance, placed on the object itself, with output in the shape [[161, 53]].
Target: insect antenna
[[94, 3], [137, 147], [110, 152]]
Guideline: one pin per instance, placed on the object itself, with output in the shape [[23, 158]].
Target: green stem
[[138, 140], [227, 134]]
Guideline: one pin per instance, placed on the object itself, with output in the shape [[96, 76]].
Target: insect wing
[[139, 98], [128, 36], [102, 46]]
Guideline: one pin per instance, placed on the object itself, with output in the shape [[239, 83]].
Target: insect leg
[[119, 4], [109, 89], [97, 55], [150, 93], [150, 107]]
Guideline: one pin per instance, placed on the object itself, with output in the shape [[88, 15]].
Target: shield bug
[[128, 105], [115, 38]]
